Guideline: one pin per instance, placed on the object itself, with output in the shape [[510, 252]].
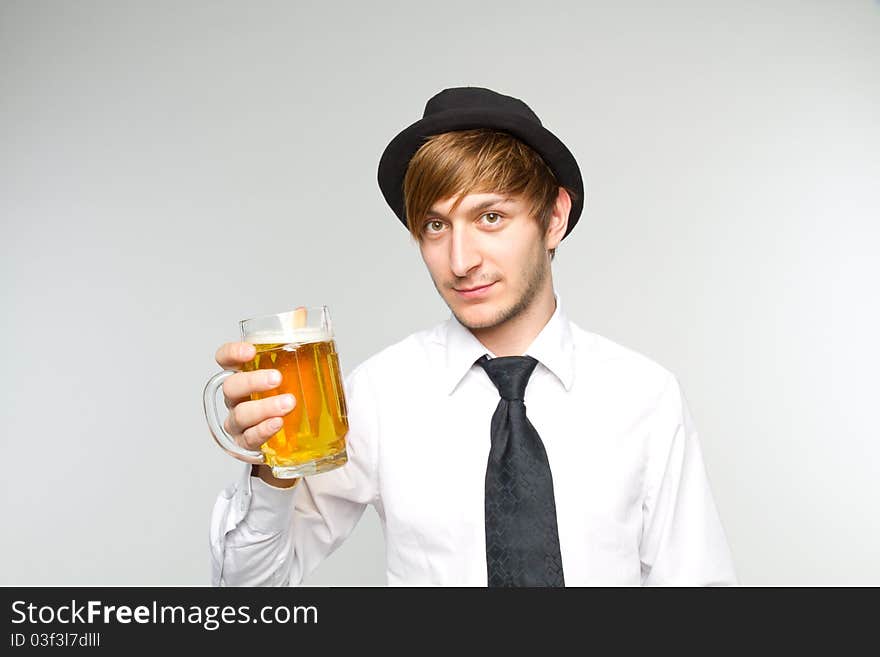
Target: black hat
[[464, 108]]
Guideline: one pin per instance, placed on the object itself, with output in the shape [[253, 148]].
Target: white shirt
[[633, 501]]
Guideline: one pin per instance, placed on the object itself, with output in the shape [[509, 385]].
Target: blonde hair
[[481, 160]]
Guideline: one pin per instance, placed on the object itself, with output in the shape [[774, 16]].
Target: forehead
[[473, 202]]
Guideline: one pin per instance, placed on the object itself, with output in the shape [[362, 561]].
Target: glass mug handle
[[216, 426]]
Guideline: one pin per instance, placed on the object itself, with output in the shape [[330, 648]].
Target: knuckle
[[222, 354], [271, 427], [252, 439], [233, 386], [232, 355], [258, 380]]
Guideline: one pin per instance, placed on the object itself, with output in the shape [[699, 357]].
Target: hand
[[250, 423]]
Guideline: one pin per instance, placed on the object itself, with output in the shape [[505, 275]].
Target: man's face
[[491, 240]]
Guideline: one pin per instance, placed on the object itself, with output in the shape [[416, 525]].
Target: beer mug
[[300, 345]]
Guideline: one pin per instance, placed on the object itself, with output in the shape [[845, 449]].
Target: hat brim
[[395, 159]]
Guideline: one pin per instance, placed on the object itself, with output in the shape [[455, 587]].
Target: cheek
[[433, 263], [427, 255], [516, 263]]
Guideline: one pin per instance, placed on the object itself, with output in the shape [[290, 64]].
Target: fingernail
[[275, 424], [286, 402], [247, 351], [273, 378]]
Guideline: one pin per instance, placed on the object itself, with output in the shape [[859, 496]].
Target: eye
[[432, 222], [495, 215]]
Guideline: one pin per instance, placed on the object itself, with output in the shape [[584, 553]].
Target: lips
[[472, 289], [475, 292]]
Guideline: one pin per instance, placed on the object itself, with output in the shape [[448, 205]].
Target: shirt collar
[[553, 347]]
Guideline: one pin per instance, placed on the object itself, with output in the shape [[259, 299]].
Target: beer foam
[[298, 335]]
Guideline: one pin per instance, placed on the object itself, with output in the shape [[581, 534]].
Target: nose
[[464, 254]]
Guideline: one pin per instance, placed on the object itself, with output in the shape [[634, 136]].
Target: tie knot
[[510, 374]]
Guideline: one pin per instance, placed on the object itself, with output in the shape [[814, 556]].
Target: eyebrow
[[498, 200]]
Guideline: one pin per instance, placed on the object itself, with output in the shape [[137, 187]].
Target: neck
[[514, 336]]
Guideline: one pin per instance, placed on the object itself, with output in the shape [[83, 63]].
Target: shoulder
[[620, 367], [414, 350]]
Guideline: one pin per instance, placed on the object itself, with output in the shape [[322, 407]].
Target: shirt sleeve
[[683, 541], [261, 535]]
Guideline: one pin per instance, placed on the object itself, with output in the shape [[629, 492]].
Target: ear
[[559, 219]]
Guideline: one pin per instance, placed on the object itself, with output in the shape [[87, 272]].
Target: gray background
[[168, 168]]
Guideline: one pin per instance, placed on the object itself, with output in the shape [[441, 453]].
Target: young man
[[505, 446]]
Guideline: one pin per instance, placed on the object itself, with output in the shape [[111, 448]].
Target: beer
[[314, 431], [299, 344]]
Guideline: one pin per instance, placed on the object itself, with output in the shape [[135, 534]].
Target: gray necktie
[[522, 538]]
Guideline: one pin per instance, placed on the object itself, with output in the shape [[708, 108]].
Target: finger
[[255, 436], [239, 387], [232, 355], [250, 413]]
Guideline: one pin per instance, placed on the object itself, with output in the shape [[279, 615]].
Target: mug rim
[[322, 307]]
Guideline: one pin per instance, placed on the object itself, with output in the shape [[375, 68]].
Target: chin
[[474, 316]]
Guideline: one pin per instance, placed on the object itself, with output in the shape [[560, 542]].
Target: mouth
[[470, 293]]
